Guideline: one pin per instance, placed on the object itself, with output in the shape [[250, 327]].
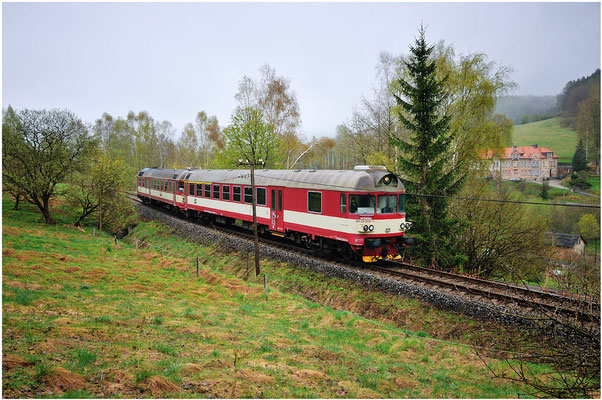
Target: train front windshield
[[387, 204], [361, 204]]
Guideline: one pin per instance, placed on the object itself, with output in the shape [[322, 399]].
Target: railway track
[[493, 292]]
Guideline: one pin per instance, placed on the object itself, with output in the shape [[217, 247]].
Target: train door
[[276, 208]]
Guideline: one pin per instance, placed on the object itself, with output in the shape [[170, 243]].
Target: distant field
[[548, 133]]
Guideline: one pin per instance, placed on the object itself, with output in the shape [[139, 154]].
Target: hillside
[[549, 133], [85, 317]]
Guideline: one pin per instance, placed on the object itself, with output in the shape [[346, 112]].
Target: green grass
[[548, 133], [120, 318]]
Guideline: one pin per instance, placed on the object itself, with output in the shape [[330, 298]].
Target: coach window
[[199, 190], [314, 202], [216, 192], [248, 195], [361, 204], [343, 203], [226, 193], [261, 197], [207, 191], [236, 193], [191, 189], [402, 203], [386, 204]]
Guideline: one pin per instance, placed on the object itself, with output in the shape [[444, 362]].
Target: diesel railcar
[[359, 212]]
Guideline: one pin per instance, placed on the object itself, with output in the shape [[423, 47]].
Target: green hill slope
[[549, 133]]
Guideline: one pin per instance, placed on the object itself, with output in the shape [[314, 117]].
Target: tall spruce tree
[[579, 161], [424, 161]]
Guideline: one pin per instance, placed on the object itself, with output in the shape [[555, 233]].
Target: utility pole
[[253, 204]]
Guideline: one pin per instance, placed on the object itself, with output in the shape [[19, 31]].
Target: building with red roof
[[529, 163]]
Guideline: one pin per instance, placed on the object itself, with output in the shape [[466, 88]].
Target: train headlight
[[405, 225], [371, 227], [366, 228]]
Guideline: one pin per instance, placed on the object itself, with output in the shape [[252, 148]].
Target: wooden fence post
[[265, 285]]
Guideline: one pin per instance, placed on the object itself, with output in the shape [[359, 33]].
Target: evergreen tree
[[579, 161], [544, 193], [424, 159]]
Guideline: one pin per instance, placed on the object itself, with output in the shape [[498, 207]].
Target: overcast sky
[[174, 60]]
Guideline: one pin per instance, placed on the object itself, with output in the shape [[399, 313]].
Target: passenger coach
[[359, 212]]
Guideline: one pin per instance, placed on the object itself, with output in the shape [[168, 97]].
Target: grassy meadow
[[548, 133], [85, 317]]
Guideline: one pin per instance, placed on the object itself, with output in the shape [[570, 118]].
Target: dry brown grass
[[190, 368], [159, 385], [60, 379], [13, 360]]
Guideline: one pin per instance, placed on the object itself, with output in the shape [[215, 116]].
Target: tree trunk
[[46, 212], [17, 199]]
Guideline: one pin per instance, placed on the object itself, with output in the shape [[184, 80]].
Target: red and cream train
[[358, 212]]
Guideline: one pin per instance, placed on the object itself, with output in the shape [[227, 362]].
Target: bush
[[580, 180]]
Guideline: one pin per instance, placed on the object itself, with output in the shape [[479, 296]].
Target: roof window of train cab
[[140, 173], [386, 204], [261, 196], [207, 190], [225, 192], [216, 191], [361, 203], [188, 175], [248, 195], [236, 193], [314, 202]]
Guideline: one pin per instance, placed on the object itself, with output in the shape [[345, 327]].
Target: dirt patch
[[12, 360], [60, 379], [159, 385], [70, 270]]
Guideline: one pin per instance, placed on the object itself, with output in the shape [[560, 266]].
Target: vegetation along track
[[496, 293]]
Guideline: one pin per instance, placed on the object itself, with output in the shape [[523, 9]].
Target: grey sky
[[173, 60]]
